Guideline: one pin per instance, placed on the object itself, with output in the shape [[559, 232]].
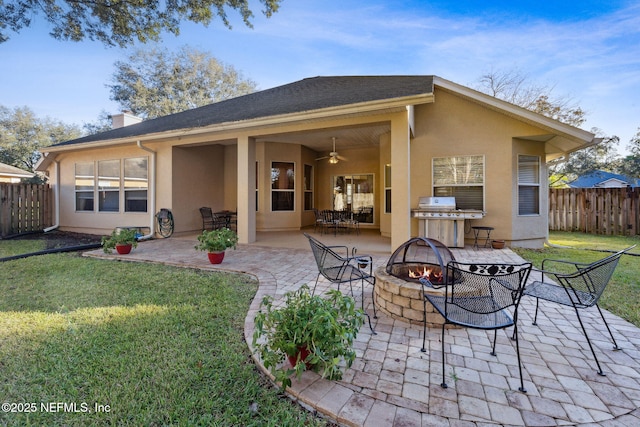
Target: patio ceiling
[[320, 140]]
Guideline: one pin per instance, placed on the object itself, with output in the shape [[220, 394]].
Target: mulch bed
[[61, 239]]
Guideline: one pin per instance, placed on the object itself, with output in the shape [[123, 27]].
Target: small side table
[[476, 235]]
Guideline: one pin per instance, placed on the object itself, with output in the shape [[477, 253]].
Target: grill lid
[[437, 203]]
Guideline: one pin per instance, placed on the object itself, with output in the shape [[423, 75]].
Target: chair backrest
[[590, 280], [330, 264], [207, 213], [485, 288]]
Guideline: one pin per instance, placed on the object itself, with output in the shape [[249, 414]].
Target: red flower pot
[[215, 257], [124, 249], [304, 353]]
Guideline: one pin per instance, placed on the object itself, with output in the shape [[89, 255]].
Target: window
[[528, 185], [387, 188], [354, 193], [308, 187], [85, 181], [135, 184], [109, 186], [282, 186], [461, 177], [257, 194]]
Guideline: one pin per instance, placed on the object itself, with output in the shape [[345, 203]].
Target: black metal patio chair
[[478, 296], [211, 221], [580, 287], [340, 269]]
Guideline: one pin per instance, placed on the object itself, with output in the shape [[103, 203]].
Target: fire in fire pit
[[433, 274], [418, 258]]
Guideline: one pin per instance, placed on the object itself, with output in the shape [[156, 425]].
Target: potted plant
[[215, 242], [311, 331], [122, 240]]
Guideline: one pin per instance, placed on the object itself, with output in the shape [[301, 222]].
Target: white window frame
[[439, 178], [121, 189], [524, 183], [387, 189], [85, 190], [308, 191], [284, 190], [144, 184]]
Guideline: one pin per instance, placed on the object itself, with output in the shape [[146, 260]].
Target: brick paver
[[393, 383]]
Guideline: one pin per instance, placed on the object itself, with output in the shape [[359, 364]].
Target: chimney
[[123, 119]]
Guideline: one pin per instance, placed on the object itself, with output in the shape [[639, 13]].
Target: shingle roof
[[304, 95], [9, 170], [591, 179]]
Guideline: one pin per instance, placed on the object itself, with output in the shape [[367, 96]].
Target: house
[[270, 156], [603, 179], [12, 174]]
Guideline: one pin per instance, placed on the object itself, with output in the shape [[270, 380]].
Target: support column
[[400, 180], [246, 189]]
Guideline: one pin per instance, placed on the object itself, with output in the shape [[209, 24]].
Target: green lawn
[[622, 296], [145, 344]]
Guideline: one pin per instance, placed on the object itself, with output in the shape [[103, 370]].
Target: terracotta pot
[[215, 257], [304, 353], [124, 249], [497, 244]]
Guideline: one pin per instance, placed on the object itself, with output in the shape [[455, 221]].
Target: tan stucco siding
[[530, 230], [454, 126], [198, 180], [93, 222], [280, 220]]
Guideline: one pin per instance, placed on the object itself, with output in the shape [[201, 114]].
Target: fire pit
[[398, 292]]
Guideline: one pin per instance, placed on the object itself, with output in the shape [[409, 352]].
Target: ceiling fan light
[[333, 160]]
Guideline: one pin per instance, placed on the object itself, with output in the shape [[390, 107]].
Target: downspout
[[56, 199], [152, 187]]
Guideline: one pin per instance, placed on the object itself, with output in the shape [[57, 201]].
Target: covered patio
[[393, 383]]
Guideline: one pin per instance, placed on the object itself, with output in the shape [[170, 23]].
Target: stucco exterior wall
[[198, 180], [93, 222], [279, 220], [454, 126]]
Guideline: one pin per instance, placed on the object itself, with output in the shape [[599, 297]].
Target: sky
[[587, 51]]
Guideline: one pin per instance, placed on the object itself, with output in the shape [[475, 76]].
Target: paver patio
[[393, 383]]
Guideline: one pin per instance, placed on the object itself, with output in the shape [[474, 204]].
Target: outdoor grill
[[439, 219]]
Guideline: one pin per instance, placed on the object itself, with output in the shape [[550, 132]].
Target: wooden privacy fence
[[24, 208], [612, 211]]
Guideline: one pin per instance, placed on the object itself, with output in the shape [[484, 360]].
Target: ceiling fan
[[333, 156]]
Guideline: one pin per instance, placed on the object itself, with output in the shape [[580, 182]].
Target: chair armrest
[[561, 261], [362, 262], [346, 249]]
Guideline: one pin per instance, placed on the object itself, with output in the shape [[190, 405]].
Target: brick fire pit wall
[[403, 300]]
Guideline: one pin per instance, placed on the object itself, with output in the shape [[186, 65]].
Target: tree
[[120, 22], [102, 124], [630, 165], [514, 87], [22, 135], [155, 82]]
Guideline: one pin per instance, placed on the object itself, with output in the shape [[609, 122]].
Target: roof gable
[[599, 178]]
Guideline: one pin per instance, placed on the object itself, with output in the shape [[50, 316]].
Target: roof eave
[[320, 114]]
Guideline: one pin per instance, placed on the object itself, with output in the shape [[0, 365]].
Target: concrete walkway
[[392, 383]]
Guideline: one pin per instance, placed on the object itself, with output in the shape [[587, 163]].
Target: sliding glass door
[[354, 193]]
